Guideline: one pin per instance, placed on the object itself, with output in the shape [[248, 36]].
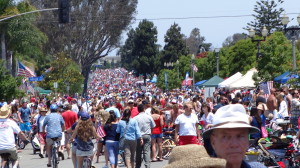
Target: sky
[[215, 30]]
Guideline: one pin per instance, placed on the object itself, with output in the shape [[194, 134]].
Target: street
[[29, 160]]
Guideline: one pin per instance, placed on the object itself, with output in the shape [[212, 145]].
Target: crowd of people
[[127, 118]]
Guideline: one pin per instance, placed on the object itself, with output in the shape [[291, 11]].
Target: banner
[[35, 79], [186, 78]]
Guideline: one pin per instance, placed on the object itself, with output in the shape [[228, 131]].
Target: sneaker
[[105, 166]]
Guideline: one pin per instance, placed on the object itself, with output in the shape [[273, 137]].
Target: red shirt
[[134, 112], [70, 117]]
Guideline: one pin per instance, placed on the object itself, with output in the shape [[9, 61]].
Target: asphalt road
[[29, 160]]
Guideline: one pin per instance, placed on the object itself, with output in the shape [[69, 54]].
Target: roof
[[212, 82]]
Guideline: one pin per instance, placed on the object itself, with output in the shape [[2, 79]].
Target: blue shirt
[[53, 121], [117, 112], [133, 130], [25, 113]]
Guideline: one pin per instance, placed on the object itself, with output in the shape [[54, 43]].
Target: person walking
[[145, 123], [187, 127], [129, 129], [112, 139], [157, 135]]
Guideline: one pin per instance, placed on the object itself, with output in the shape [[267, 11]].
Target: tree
[[195, 42], [231, 40], [95, 29], [145, 49], [9, 85], [126, 51], [267, 13], [277, 56], [66, 72], [175, 45], [172, 81]]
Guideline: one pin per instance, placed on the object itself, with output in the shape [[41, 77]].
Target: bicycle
[[168, 143], [54, 152], [6, 161]]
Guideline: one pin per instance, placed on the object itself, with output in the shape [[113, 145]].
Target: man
[[114, 108], [86, 107], [7, 138], [260, 98], [24, 115], [295, 108], [146, 123], [229, 135], [55, 126], [74, 106], [222, 102], [147, 107], [272, 103], [70, 117], [187, 127]]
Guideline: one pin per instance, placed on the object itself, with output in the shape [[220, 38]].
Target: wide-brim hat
[[231, 116], [5, 111], [195, 156]]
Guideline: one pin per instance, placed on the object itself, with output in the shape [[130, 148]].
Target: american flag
[[194, 67], [266, 87], [25, 71]]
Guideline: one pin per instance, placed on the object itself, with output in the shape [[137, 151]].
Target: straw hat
[[5, 111], [193, 156], [231, 116]]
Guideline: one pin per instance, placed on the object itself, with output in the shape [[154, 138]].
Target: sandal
[[154, 160], [160, 160], [49, 165]]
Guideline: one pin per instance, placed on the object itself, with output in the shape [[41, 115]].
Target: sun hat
[[231, 116], [130, 101], [43, 109], [193, 156], [262, 106], [5, 111]]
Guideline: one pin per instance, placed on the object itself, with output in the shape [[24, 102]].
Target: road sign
[[55, 85]]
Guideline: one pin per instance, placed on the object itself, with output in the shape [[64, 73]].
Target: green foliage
[[9, 85], [173, 81], [231, 40], [267, 13], [142, 48], [175, 45], [66, 72], [195, 41], [277, 56]]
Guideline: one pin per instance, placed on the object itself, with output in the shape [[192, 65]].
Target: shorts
[[84, 153], [49, 141], [42, 137], [26, 126], [154, 136], [67, 138], [13, 153], [74, 148]]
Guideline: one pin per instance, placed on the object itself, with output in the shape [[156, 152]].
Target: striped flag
[[194, 68], [25, 71], [266, 87]]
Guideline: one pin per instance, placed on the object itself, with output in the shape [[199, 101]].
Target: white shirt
[[75, 108], [7, 129], [187, 124], [208, 119], [41, 121], [148, 111], [283, 109]]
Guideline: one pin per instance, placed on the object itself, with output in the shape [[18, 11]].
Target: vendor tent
[[229, 80], [200, 82], [244, 82], [212, 82], [41, 90], [283, 78]]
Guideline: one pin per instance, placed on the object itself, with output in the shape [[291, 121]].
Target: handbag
[[122, 139], [264, 132]]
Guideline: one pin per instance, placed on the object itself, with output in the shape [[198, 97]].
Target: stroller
[[34, 139]]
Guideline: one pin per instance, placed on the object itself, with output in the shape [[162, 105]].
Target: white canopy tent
[[229, 80], [244, 82]]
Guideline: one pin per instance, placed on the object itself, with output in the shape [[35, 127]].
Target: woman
[[84, 132], [206, 115], [263, 113], [156, 136], [196, 105], [282, 107], [129, 129], [112, 139], [256, 121], [39, 119]]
